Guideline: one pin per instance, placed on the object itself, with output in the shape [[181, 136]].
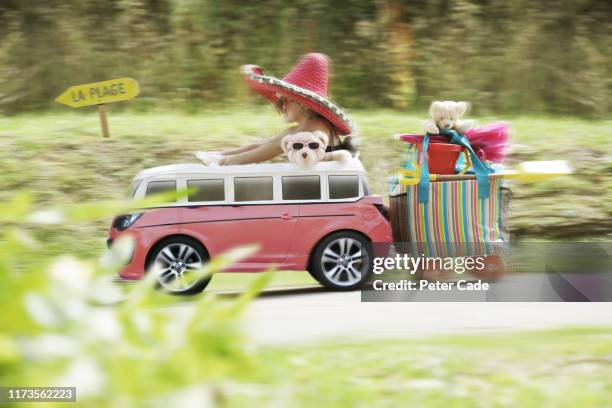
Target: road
[[308, 314], [295, 309]]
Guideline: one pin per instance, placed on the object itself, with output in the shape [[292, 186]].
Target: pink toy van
[[321, 219]]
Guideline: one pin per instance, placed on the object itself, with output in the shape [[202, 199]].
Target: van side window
[[301, 188], [253, 189], [206, 190], [343, 186], [158, 187]]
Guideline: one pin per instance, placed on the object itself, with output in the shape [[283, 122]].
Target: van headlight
[[125, 221]]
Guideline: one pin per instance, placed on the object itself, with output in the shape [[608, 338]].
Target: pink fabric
[[490, 142]]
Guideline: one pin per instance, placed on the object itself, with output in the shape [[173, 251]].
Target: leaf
[[16, 209], [252, 291]]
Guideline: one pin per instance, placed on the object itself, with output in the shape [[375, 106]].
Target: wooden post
[[103, 120]]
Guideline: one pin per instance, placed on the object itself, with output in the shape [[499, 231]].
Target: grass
[[239, 281], [62, 158], [556, 368]]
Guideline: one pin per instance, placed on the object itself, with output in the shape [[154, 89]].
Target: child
[[301, 97]]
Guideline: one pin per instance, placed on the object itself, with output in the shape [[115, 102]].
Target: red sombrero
[[306, 83]]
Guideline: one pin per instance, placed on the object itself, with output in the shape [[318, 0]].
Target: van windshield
[[366, 186], [133, 188]]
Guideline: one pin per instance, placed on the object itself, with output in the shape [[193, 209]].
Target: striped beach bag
[[456, 216], [454, 221]]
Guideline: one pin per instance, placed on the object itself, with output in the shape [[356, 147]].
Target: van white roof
[[277, 168]]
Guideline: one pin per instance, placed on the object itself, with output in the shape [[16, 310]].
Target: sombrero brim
[[269, 87]]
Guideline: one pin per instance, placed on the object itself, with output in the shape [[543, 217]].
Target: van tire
[[183, 251], [342, 261]]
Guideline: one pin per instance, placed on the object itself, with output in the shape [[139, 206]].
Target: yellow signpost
[[100, 93]]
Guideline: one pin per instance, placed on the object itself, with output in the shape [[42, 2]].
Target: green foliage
[[513, 56], [517, 56], [65, 323], [543, 368]]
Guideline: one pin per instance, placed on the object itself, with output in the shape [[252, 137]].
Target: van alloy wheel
[[344, 261], [174, 262]]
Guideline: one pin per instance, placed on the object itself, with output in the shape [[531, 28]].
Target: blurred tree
[[511, 56]]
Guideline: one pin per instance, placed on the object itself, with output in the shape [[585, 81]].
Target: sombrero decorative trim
[[270, 87]]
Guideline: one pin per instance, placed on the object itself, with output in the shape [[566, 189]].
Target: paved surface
[[306, 315]]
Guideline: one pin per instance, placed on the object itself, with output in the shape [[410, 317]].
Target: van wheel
[[175, 260], [342, 261]]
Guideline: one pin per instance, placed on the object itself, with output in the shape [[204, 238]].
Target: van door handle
[[286, 216]]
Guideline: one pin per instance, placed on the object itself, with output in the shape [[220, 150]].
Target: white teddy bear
[[445, 115], [308, 148]]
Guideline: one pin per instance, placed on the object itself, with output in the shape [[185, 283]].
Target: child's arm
[[240, 149], [263, 152], [254, 146]]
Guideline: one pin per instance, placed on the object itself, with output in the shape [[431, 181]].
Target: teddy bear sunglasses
[[311, 145]]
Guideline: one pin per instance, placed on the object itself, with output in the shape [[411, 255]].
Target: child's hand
[[209, 158]]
